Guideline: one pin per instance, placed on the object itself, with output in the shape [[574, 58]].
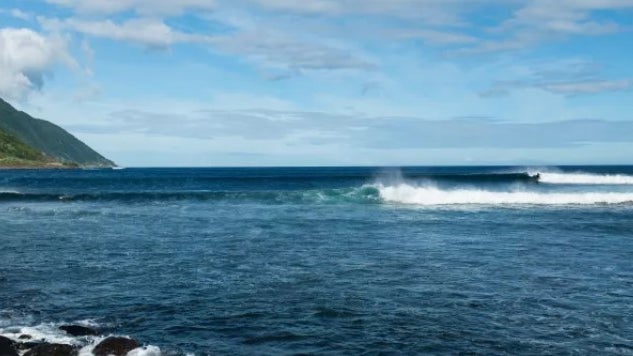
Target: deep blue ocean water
[[276, 261]]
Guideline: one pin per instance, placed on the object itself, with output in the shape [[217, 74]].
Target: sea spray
[[585, 178], [429, 195]]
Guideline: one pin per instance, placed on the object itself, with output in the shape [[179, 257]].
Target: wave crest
[[420, 195], [585, 178]]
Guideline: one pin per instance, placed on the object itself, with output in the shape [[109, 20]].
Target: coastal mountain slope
[[15, 153], [24, 135]]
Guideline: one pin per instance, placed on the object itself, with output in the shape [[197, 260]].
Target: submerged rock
[[25, 337], [78, 330], [52, 350], [117, 346], [7, 347]]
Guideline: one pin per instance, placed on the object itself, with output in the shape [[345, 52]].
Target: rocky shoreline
[[26, 345]]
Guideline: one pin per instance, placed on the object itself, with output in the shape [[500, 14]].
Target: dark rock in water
[[117, 346], [25, 337], [5, 340], [7, 347], [52, 350], [78, 330], [29, 345]]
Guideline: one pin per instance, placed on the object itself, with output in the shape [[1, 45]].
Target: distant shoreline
[[52, 166]]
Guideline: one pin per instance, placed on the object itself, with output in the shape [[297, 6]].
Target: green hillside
[[25, 135], [15, 153]]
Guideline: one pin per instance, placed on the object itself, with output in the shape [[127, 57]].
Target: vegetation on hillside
[[26, 141], [15, 153]]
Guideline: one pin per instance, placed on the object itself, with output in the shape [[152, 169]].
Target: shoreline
[[52, 167], [70, 340]]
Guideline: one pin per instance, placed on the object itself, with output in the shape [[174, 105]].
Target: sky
[[327, 82]]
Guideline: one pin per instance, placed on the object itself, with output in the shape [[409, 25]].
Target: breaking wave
[[523, 188], [398, 193], [426, 195], [585, 178]]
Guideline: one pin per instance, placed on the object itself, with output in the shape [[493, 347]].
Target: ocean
[[334, 261]]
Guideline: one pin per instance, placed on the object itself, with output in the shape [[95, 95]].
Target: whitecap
[[428, 195], [585, 178]]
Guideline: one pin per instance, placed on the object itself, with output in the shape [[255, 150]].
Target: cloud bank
[[368, 132]]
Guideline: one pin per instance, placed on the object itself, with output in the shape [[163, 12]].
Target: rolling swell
[[364, 194], [255, 179], [394, 187], [475, 178], [373, 265], [400, 193]]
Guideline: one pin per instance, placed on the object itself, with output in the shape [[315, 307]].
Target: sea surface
[[334, 261]]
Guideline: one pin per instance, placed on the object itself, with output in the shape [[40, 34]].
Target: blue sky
[[327, 82]]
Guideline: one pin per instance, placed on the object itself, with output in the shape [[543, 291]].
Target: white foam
[[44, 332], [145, 351], [87, 349], [425, 195], [50, 333], [149, 350], [585, 178]]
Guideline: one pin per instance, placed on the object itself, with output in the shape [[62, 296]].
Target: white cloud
[[434, 36], [319, 128], [266, 48], [19, 14], [145, 31], [542, 21], [431, 12], [281, 51], [145, 7], [315, 6], [566, 77], [588, 86], [566, 16], [25, 57]]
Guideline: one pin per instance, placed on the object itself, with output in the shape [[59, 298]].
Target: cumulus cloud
[[25, 57], [281, 39]]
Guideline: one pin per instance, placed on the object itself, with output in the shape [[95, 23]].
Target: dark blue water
[[481, 260]]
